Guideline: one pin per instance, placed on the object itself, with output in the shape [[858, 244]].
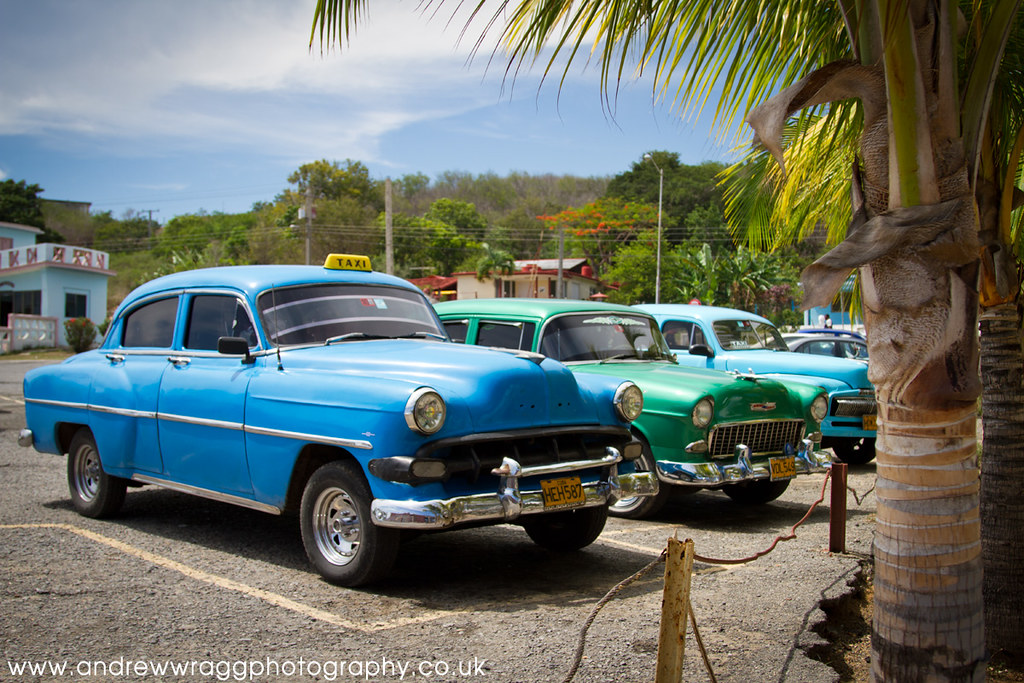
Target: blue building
[[42, 285]]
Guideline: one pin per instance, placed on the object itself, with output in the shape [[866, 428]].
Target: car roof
[[830, 332], [527, 307], [699, 312], [254, 279]]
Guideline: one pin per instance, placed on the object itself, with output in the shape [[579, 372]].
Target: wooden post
[[837, 510], [676, 597]]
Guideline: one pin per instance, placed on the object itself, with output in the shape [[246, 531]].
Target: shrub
[[80, 334]]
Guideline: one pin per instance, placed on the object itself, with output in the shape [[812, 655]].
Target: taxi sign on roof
[[347, 262]]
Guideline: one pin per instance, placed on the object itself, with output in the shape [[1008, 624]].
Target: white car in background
[[828, 342]]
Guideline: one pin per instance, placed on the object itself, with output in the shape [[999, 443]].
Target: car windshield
[[604, 336], [321, 313], [748, 335]]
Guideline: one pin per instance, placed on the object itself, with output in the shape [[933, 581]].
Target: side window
[[456, 329], [151, 324], [214, 316], [505, 335], [678, 333]]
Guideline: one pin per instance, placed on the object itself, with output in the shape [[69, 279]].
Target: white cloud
[[195, 72]]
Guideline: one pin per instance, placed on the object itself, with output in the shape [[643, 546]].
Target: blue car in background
[[334, 392], [734, 340]]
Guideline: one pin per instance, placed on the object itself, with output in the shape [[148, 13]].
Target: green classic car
[[745, 434]]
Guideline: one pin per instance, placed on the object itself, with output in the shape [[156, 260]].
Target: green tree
[[332, 180], [913, 237], [687, 189], [461, 216], [20, 203], [494, 260]]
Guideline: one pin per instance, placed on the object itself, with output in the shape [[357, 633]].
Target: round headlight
[[629, 401], [425, 411], [703, 412], [819, 408]]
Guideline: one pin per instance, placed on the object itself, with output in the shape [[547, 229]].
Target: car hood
[[672, 388], [831, 373], [495, 389]]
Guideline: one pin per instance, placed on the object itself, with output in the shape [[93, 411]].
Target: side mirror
[[235, 346], [702, 350]]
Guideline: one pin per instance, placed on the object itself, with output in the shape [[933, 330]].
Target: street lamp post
[[657, 268]]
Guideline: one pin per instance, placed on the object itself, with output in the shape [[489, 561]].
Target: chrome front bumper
[[508, 503], [739, 468]]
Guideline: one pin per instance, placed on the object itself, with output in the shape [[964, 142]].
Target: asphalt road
[[222, 593]]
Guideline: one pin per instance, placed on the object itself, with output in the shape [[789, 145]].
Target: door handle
[[115, 358], [179, 361]]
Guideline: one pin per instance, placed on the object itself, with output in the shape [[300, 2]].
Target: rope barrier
[[581, 644]]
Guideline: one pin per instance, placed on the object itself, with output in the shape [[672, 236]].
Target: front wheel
[[567, 531], [344, 546], [756, 492], [642, 507], [94, 493], [853, 451]]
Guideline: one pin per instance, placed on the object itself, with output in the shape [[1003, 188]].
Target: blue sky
[[177, 107]]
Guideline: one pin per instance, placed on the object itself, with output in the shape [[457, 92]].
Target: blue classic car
[[729, 339], [335, 392]]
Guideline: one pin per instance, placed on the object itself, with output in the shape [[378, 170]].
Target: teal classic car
[[745, 434], [730, 339], [333, 392]]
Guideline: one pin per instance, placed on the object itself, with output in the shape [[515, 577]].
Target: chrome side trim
[[331, 441], [739, 468], [206, 493], [61, 404], [127, 412], [205, 422]]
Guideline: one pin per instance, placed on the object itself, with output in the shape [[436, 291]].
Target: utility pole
[[389, 232], [149, 224], [309, 219]]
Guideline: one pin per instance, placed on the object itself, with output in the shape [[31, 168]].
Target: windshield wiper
[[353, 335], [421, 335], [620, 356]]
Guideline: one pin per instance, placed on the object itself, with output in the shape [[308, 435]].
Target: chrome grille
[[853, 406], [763, 438]]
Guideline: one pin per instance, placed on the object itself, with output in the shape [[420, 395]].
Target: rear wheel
[[340, 540], [756, 492], [853, 451], [567, 531], [642, 507], [94, 493]]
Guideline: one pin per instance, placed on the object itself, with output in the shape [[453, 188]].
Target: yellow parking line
[[629, 546], [12, 400], [229, 584]]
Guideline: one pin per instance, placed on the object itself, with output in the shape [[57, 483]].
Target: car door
[[123, 403], [202, 398]]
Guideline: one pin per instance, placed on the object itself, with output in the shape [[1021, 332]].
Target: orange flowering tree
[[599, 229]]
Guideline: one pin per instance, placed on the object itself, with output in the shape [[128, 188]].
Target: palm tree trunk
[[927, 611], [1002, 470]]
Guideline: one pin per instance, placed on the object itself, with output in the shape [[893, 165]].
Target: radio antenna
[[277, 328]]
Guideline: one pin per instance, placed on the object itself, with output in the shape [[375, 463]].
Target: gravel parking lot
[[215, 592]]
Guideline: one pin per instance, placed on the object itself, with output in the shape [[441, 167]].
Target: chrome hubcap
[[336, 526], [87, 473]]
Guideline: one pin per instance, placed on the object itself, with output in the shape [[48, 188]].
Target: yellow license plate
[[870, 422], [567, 492], [783, 468]]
